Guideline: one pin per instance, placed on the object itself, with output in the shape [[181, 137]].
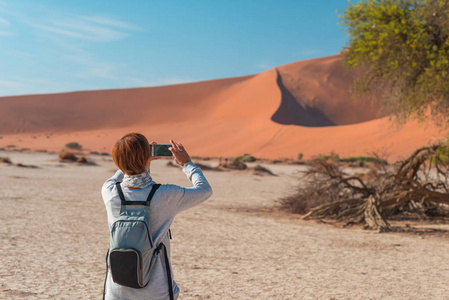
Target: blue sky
[[58, 46]]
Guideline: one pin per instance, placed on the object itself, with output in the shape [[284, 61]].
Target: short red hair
[[131, 153]]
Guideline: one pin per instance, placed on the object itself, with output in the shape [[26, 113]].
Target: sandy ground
[[54, 236]]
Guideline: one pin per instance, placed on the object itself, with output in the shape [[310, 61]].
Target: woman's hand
[[180, 155]]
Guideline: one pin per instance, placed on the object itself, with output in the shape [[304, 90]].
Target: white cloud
[[265, 66], [74, 37], [311, 52], [27, 86], [142, 82], [139, 82], [87, 65], [111, 22], [67, 33], [10, 84], [81, 29], [6, 33], [94, 28], [4, 22], [59, 31], [100, 70], [132, 81], [172, 80]]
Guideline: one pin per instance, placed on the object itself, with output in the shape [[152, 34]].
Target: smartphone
[[161, 150]]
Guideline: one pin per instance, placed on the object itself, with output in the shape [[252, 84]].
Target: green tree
[[401, 48]]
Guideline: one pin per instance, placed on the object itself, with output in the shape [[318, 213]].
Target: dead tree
[[417, 186]]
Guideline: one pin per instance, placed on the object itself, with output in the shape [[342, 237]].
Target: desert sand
[[54, 238], [303, 107]]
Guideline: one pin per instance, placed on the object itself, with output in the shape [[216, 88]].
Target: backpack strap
[[120, 192], [153, 190], [104, 286], [146, 203], [167, 268]]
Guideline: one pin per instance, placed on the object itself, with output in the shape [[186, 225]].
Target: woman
[[132, 155]]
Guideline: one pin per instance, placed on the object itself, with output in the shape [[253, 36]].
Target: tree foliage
[[402, 48]]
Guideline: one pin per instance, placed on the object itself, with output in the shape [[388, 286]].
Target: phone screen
[[162, 150]]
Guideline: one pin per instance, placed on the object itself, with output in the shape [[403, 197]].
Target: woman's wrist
[[186, 163]]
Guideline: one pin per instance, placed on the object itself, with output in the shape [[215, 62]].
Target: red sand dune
[[303, 107]]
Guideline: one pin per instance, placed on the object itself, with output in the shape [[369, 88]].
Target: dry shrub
[[313, 191], [67, 156], [170, 164], [327, 182], [259, 170], [206, 167], [237, 165], [202, 157], [203, 167], [246, 158], [74, 146], [26, 166], [417, 187], [82, 160], [5, 160]]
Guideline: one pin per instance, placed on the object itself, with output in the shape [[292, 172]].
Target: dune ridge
[[291, 112], [303, 107]]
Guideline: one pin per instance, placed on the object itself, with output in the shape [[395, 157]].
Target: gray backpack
[[132, 253]]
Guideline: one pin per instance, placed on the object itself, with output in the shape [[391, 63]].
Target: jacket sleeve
[[109, 185], [181, 198]]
